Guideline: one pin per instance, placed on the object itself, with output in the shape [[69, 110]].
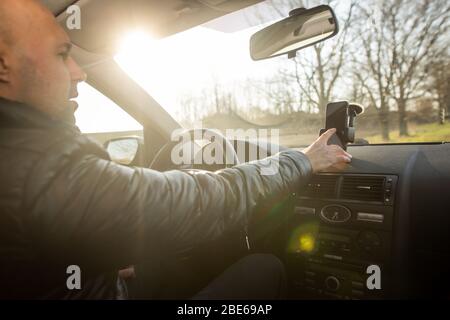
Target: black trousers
[[256, 276]]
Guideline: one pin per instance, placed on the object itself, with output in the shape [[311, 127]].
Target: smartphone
[[337, 117]]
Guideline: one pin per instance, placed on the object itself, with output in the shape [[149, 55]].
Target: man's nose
[[77, 74]]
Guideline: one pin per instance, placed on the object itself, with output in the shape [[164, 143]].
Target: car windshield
[[390, 56]]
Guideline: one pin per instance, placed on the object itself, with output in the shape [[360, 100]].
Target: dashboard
[[389, 209]]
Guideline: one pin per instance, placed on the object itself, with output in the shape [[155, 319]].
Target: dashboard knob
[[332, 283], [369, 241]]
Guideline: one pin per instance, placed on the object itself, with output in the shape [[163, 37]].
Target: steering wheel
[[163, 159]]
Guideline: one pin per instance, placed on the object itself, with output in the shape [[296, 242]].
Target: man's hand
[[323, 156], [127, 273]]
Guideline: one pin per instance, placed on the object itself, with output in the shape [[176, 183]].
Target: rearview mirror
[[303, 28], [123, 150]]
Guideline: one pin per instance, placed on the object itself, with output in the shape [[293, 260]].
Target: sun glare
[[136, 42], [185, 63]]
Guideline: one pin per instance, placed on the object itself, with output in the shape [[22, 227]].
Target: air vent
[[322, 186], [362, 188]]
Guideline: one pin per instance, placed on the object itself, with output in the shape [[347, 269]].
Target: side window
[[100, 118]]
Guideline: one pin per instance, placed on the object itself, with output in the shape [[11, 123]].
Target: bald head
[[22, 16], [35, 63], [5, 27]]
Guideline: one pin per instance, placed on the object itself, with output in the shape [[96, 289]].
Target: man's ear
[[4, 68]]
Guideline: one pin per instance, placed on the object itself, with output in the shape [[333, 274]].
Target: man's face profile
[[35, 63]]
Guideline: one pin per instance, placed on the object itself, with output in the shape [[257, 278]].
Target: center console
[[342, 224]]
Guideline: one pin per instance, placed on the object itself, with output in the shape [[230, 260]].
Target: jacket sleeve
[[99, 214]]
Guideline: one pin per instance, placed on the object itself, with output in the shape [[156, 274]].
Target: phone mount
[[341, 115]]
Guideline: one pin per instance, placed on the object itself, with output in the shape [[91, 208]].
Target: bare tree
[[397, 39], [316, 73], [224, 99], [193, 107], [414, 43], [373, 63], [277, 93], [439, 85]]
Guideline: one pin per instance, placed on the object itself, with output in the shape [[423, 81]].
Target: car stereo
[[341, 225]]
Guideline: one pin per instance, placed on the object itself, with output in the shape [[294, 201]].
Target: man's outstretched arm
[[102, 215]]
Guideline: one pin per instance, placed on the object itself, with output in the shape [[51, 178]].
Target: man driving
[[63, 202]]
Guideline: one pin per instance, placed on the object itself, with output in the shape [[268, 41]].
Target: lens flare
[[307, 243]]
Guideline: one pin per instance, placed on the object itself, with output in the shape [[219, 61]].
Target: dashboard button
[[369, 241], [369, 217], [357, 285], [305, 210], [332, 283], [310, 273], [357, 293]]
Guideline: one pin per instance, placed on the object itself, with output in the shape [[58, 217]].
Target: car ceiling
[[106, 21], [57, 6]]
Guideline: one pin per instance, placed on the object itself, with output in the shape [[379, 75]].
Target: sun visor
[[105, 22]]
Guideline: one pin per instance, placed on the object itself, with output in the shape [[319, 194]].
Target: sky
[[185, 63]]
